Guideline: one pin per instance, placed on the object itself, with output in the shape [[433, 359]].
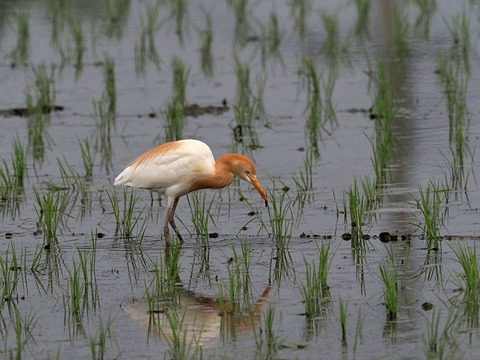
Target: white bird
[[179, 167]]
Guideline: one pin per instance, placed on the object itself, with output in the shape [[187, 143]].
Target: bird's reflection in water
[[202, 319]]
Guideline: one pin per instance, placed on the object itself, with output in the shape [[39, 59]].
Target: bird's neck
[[220, 177]]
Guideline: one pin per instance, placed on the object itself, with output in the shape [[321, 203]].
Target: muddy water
[[124, 269]]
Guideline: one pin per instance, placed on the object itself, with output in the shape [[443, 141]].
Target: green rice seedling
[[304, 180], [469, 280], [200, 213], [41, 94], [20, 54], [299, 11], [256, 214], [88, 158], [259, 107], [9, 276], [52, 214], [389, 277], [459, 28], [315, 293], [128, 226], [429, 203], [76, 293], [117, 12], [12, 179], [207, 59], [281, 218], [145, 48], [312, 81], [244, 108], [343, 307], [357, 210], [401, 29], [242, 25], [103, 140], [427, 9], [360, 30], [76, 31], [87, 266], [173, 121], [180, 74]]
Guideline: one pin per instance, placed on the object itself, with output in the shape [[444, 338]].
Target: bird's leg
[[170, 219], [166, 231]]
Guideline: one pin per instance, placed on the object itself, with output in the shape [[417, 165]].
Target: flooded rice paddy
[[362, 120]]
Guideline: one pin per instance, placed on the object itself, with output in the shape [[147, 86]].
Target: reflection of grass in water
[[207, 60], [442, 343], [21, 52], [319, 108], [23, 326], [332, 47], [401, 28], [145, 48], [343, 307], [117, 12], [98, 342], [299, 10], [266, 337], [389, 277], [459, 28], [360, 30], [242, 25], [57, 13], [427, 9], [178, 13], [182, 344], [110, 91], [384, 112], [271, 40], [78, 39]]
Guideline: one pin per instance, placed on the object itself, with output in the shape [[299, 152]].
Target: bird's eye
[[247, 172]]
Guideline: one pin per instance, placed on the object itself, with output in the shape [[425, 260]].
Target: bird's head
[[242, 167]]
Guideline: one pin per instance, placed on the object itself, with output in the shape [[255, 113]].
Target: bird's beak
[[256, 184]]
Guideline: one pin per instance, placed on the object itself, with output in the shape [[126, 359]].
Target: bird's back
[[168, 166]]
